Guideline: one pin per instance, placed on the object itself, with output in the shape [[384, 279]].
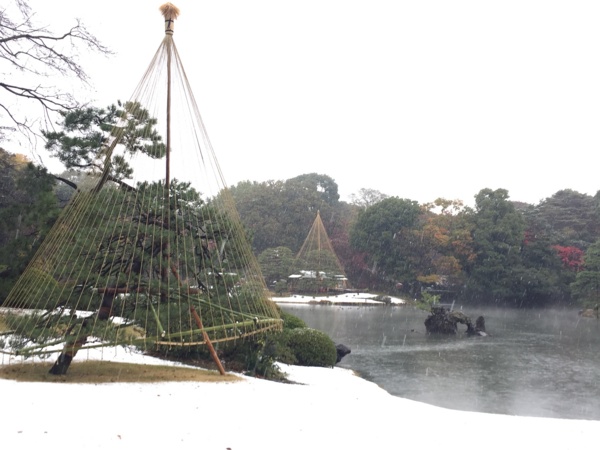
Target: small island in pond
[[444, 321]]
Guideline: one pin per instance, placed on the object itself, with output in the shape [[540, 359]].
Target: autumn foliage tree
[[446, 245], [571, 257]]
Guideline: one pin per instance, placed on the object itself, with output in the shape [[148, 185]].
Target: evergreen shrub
[[310, 347], [290, 321], [257, 355]]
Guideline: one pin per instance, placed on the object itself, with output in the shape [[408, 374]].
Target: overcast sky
[[417, 99]]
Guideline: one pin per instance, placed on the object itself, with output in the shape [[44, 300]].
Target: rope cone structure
[[323, 271], [150, 251]]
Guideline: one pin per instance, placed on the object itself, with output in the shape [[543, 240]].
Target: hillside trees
[[31, 55], [568, 218], [303, 196], [558, 231], [547, 278], [353, 261], [500, 251], [280, 213], [498, 231], [586, 287], [385, 232], [428, 246], [446, 245], [277, 264], [28, 209], [367, 197], [514, 265], [262, 211]]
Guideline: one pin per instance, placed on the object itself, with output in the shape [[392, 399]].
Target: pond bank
[[350, 299]]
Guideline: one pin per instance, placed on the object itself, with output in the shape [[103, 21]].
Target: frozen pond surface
[[543, 363]]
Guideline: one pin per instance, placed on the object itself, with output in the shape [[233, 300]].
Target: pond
[[543, 363]]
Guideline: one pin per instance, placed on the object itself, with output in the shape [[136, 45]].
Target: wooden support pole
[[211, 349]]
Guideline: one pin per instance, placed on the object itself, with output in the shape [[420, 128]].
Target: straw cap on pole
[[171, 12]]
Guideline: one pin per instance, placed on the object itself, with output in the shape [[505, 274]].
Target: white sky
[[417, 99]]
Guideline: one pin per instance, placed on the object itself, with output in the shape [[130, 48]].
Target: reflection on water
[[542, 363]]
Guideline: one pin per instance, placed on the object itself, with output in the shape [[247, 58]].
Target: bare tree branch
[[31, 54]]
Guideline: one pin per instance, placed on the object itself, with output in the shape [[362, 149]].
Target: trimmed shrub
[[256, 355], [290, 321], [311, 347]]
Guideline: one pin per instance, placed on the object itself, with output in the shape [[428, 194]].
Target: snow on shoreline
[[324, 408], [356, 298]]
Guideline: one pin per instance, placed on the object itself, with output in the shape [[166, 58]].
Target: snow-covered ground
[[358, 298], [328, 408]]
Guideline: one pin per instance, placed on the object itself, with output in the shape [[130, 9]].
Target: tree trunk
[[63, 362], [61, 366]]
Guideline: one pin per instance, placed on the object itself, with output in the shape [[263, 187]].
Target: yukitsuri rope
[[136, 251]]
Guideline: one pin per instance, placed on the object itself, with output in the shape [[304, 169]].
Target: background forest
[[499, 252], [496, 252]]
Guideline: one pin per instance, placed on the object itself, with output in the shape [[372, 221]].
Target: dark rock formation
[[480, 323], [443, 321], [342, 351], [438, 321], [590, 312]]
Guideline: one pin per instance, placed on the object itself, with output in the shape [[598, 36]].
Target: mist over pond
[[543, 363]]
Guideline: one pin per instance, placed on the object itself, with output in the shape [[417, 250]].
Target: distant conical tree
[[322, 270]]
